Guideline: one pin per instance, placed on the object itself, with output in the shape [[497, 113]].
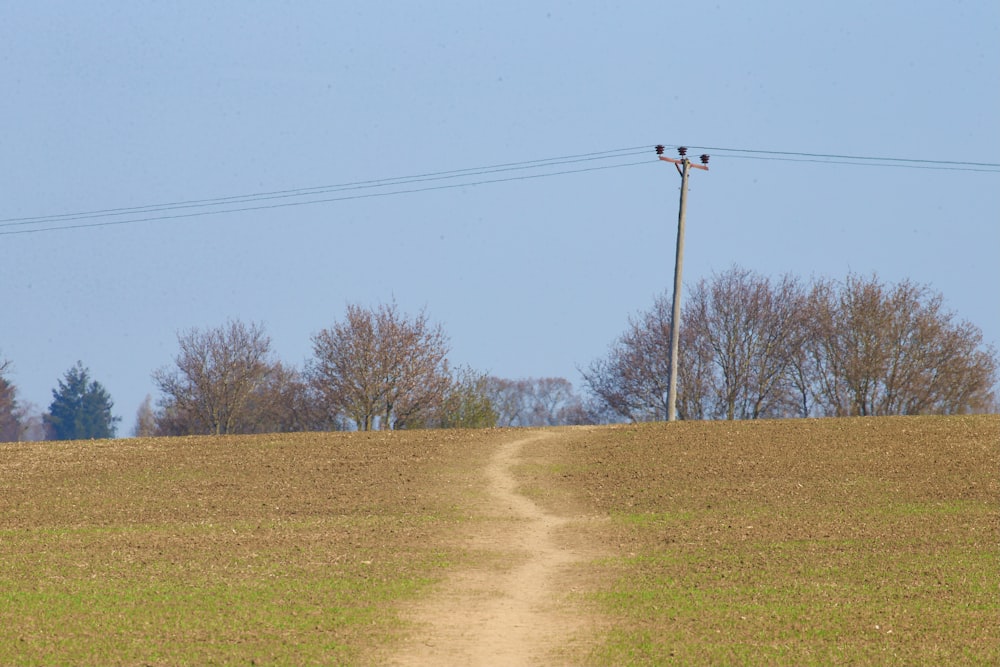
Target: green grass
[[805, 602], [107, 595]]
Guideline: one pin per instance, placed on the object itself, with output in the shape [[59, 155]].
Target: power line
[[323, 189], [222, 205], [261, 207], [755, 154], [941, 167]]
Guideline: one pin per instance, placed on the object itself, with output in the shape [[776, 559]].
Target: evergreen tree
[[80, 409]]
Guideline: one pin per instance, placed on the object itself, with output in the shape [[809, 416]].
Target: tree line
[[377, 368], [751, 347]]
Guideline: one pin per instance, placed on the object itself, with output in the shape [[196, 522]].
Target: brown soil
[[514, 612]]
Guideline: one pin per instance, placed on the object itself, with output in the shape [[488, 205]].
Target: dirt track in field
[[518, 614]]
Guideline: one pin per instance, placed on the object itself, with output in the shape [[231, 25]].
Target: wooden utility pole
[[683, 168]]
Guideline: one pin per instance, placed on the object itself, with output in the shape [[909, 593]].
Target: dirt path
[[501, 615]]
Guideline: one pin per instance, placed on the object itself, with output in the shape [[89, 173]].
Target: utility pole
[[683, 168]]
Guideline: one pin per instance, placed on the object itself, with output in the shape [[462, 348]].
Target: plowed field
[[862, 541]]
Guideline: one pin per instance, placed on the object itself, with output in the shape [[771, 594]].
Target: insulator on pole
[[659, 149], [682, 150], [704, 158]]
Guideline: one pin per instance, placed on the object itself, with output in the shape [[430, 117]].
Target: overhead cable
[[383, 187], [323, 189], [261, 207]]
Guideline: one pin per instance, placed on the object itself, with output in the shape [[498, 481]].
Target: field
[[862, 541]]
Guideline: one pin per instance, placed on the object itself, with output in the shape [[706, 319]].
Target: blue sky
[[109, 105]]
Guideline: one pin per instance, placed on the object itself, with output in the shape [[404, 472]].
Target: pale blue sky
[[126, 104]]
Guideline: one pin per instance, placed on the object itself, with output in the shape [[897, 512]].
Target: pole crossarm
[[682, 161]]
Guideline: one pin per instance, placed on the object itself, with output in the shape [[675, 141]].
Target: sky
[[117, 105]]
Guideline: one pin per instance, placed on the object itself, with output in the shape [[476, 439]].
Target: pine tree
[[80, 409]]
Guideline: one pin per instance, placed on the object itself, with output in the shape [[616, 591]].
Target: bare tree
[[216, 375], [633, 379], [287, 403], [737, 335], [802, 369], [536, 402], [380, 368], [507, 398], [754, 348], [750, 329], [552, 397], [413, 358], [877, 349], [344, 370]]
